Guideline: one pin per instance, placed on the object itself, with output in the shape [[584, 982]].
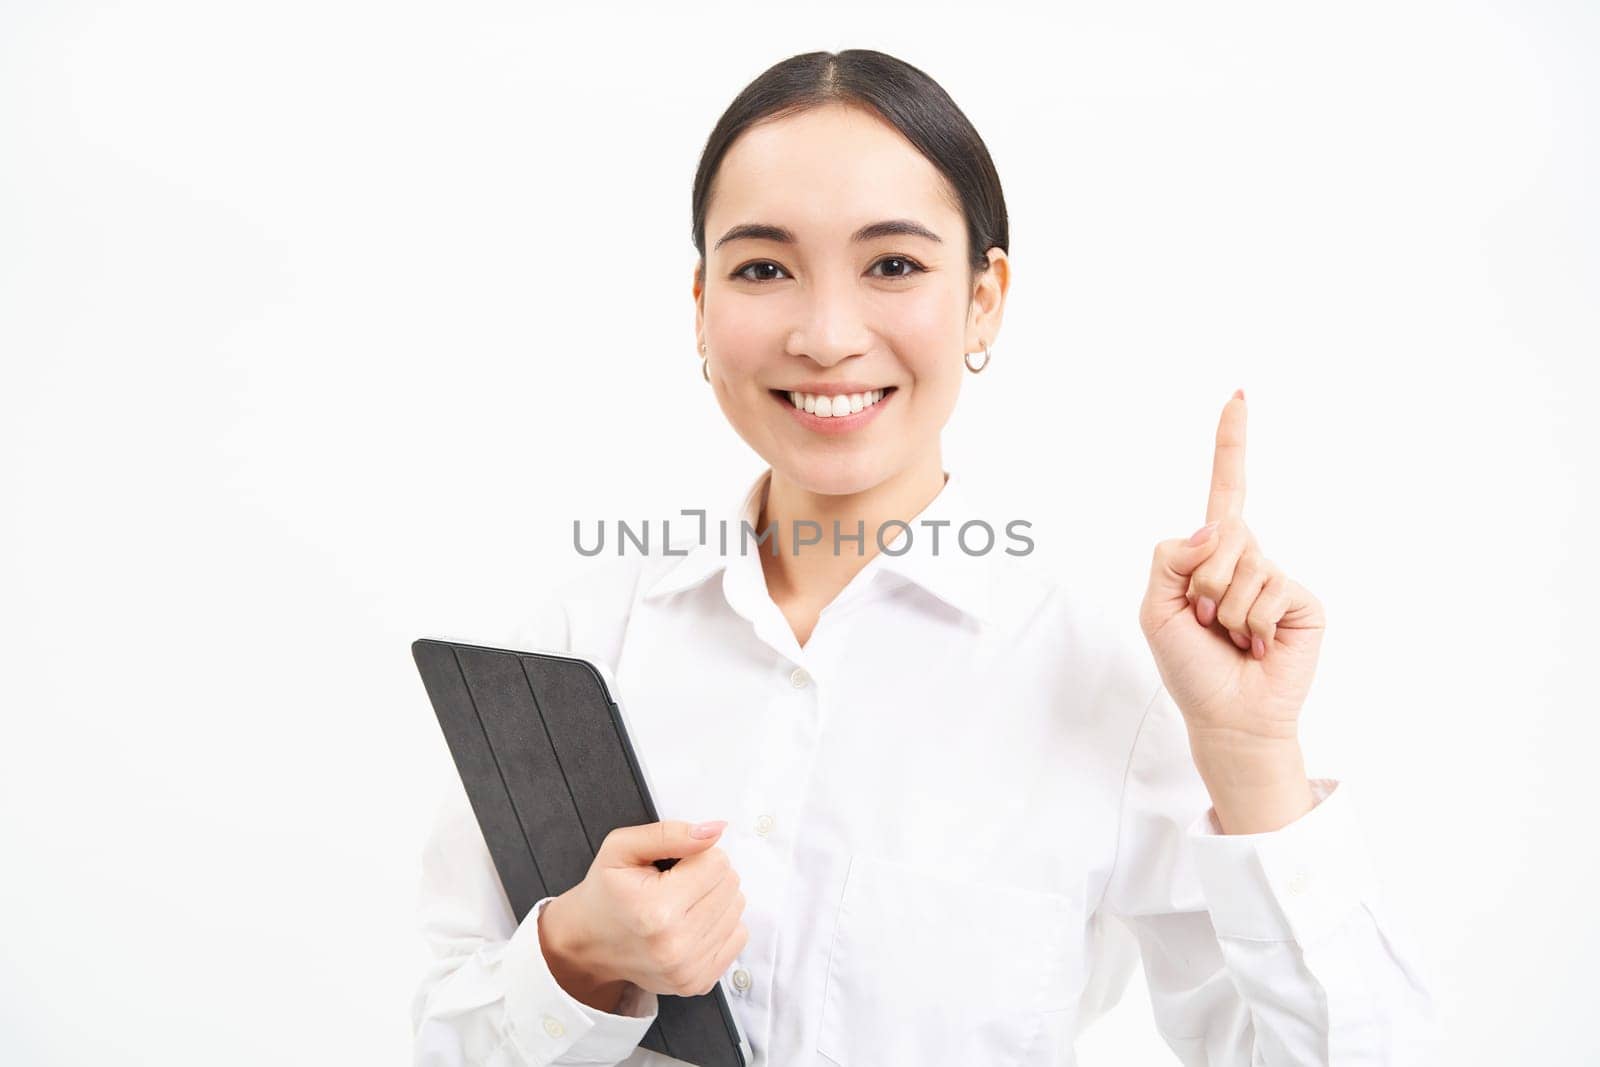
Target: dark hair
[[895, 91]]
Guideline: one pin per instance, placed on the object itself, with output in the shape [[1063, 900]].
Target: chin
[[839, 473]]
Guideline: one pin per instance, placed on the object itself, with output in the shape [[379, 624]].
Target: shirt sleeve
[[1269, 948], [487, 996]]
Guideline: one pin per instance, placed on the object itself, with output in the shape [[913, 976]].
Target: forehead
[[825, 171]]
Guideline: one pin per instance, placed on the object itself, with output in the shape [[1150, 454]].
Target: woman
[[954, 802]]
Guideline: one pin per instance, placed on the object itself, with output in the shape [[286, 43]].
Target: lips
[[848, 422], [834, 405]]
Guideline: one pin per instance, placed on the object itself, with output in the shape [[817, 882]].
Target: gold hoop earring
[[705, 369], [967, 358]]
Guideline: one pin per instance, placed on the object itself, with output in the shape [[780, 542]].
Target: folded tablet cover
[[549, 770]]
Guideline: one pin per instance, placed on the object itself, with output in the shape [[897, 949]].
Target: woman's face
[[814, 301]]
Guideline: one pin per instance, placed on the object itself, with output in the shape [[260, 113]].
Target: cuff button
[[553, 1027]]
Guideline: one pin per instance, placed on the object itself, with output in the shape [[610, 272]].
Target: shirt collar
[[951, 574]]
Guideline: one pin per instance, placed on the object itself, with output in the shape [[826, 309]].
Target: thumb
[[1176, 560], [635, 846]]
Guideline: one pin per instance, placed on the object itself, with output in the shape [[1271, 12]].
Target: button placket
[[766, 821]]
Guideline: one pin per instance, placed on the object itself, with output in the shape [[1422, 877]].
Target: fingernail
[[1239, 393], [1206, 609], [708, 829], [1239, 640], [1258, 647], [1200, 535]]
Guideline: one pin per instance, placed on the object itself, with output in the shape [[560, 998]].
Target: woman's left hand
[[1235, 639]]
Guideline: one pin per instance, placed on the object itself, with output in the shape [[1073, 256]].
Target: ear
[[698, 290], [988, 303]]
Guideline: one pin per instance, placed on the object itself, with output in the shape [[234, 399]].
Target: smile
[[824, 406], [835, 412]]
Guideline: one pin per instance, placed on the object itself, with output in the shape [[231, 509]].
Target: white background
[[321, 322]]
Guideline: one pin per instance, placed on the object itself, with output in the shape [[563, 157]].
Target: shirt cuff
[[1297, 883], [548, 1024]]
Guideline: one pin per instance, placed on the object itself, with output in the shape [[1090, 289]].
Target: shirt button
[[1299, 884], [741, 979], [799, 679], [764, 825], [553, 1027]]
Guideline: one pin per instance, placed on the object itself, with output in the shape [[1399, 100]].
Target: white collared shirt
[[959, 813]]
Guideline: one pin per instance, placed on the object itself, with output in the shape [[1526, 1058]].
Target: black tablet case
[[549, 770]]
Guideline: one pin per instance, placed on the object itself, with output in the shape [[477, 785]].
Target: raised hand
[[1236, 641]]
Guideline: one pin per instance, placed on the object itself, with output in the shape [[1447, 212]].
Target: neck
[[813, 573]]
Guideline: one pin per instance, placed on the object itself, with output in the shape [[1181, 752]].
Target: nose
[[833, 327]]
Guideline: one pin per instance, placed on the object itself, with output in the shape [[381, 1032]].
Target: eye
[[743, 272], [911, 265]]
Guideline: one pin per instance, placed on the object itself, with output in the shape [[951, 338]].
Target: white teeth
[[833, 406]]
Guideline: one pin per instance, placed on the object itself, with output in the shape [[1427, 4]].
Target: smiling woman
[[853, 240], [953, 798]]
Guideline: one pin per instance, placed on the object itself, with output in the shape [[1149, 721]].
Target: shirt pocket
[[929, 968]]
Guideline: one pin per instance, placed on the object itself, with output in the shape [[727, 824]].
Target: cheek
[[741, 337], [923, 320], [927, 333]]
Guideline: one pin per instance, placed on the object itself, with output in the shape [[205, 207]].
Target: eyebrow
[[763, 231]]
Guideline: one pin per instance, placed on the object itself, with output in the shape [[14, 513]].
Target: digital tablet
[[542, 748]]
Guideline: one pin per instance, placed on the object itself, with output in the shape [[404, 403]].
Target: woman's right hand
[[674, 931]]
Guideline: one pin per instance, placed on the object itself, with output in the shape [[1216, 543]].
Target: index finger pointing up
[[1227, 467]]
